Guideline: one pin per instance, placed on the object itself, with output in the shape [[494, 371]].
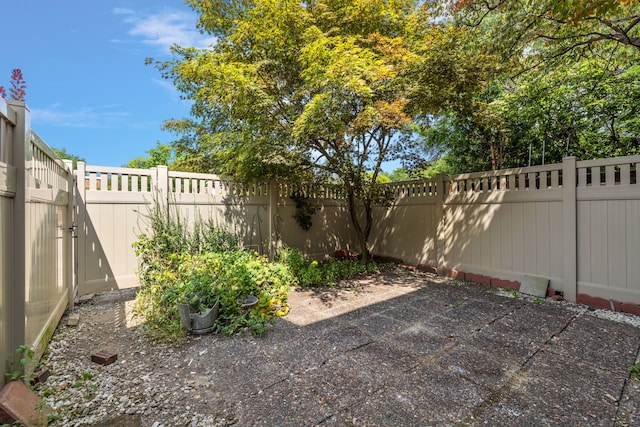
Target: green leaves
[[317, 89]]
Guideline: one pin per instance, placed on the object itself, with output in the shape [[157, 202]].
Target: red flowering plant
[[18, 86]]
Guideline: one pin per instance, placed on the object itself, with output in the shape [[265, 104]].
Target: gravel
[[627, 318], [151, 383]]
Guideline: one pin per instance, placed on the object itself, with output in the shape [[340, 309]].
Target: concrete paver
[[425, 353]]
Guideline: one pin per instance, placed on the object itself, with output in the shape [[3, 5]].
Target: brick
[[508, 284], [551, 291], [454, 274], [341, 253], [427, 268], [583, 299], [602, 303], [104, 357], [408, 267], [478, 278], [19, 403], [386, 259], [40, 377], [630, 308], [557, 297]]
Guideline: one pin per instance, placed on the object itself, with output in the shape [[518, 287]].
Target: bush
[[201, 266], [201, 279], [170, 236], [326, 273]]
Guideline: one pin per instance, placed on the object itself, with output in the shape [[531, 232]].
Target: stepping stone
[[536, 286]]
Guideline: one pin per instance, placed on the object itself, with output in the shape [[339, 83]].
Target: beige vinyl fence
[[576, 223], [35, 237], [113, 203]]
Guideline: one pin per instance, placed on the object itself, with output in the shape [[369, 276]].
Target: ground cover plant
[[326, 273]]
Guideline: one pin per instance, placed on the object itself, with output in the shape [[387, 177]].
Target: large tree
[[318, 89], [546, 30], [568, 84]]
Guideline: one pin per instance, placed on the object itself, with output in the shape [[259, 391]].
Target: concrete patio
[[400, 349]]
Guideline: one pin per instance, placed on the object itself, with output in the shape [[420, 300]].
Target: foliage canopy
[[322, 89]]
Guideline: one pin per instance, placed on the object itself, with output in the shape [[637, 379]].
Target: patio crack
[[505, 389], [625, 412]]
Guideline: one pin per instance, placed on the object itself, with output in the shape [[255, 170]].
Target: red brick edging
[[581, 298]]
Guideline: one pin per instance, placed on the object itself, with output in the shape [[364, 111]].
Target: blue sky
[[88, 88]]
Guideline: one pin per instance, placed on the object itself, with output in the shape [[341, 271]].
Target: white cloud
[[86, 117], [169, 88], [123, 11], [165, 28]]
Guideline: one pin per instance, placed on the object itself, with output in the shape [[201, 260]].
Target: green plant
[[84, 382], [169, 236], [537, 300], [515, 293], [327, 273], [201, 279], [635, 370], [305, 209], [22, 365]]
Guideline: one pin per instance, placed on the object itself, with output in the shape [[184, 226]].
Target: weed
[[515, 293], [22, 364], [84, 382], [635, 371], [537, 300]]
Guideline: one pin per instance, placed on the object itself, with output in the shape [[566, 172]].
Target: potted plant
[[198, 306]]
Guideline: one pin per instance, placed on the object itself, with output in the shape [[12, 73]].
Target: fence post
[[82, 230], [69, 258], [440, 223], [569, 221], [17, 291], [162, 183], [271, 215]]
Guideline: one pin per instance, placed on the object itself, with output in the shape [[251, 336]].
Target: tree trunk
[[362, 233]]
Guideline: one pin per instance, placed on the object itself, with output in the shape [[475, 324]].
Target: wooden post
[[569, 225]]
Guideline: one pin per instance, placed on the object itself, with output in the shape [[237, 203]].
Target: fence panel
[[330, 225], [46, 293], [505, 223], [608, 226], [109, 200], [35, 250], [409, 228]]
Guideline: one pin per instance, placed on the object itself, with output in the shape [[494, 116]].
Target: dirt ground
[[399, 348]]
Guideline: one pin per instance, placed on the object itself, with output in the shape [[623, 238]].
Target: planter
[[248, 302], [198, 322]]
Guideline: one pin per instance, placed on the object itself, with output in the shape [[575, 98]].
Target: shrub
[[326, 273], [201, 279], [198, 267]]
